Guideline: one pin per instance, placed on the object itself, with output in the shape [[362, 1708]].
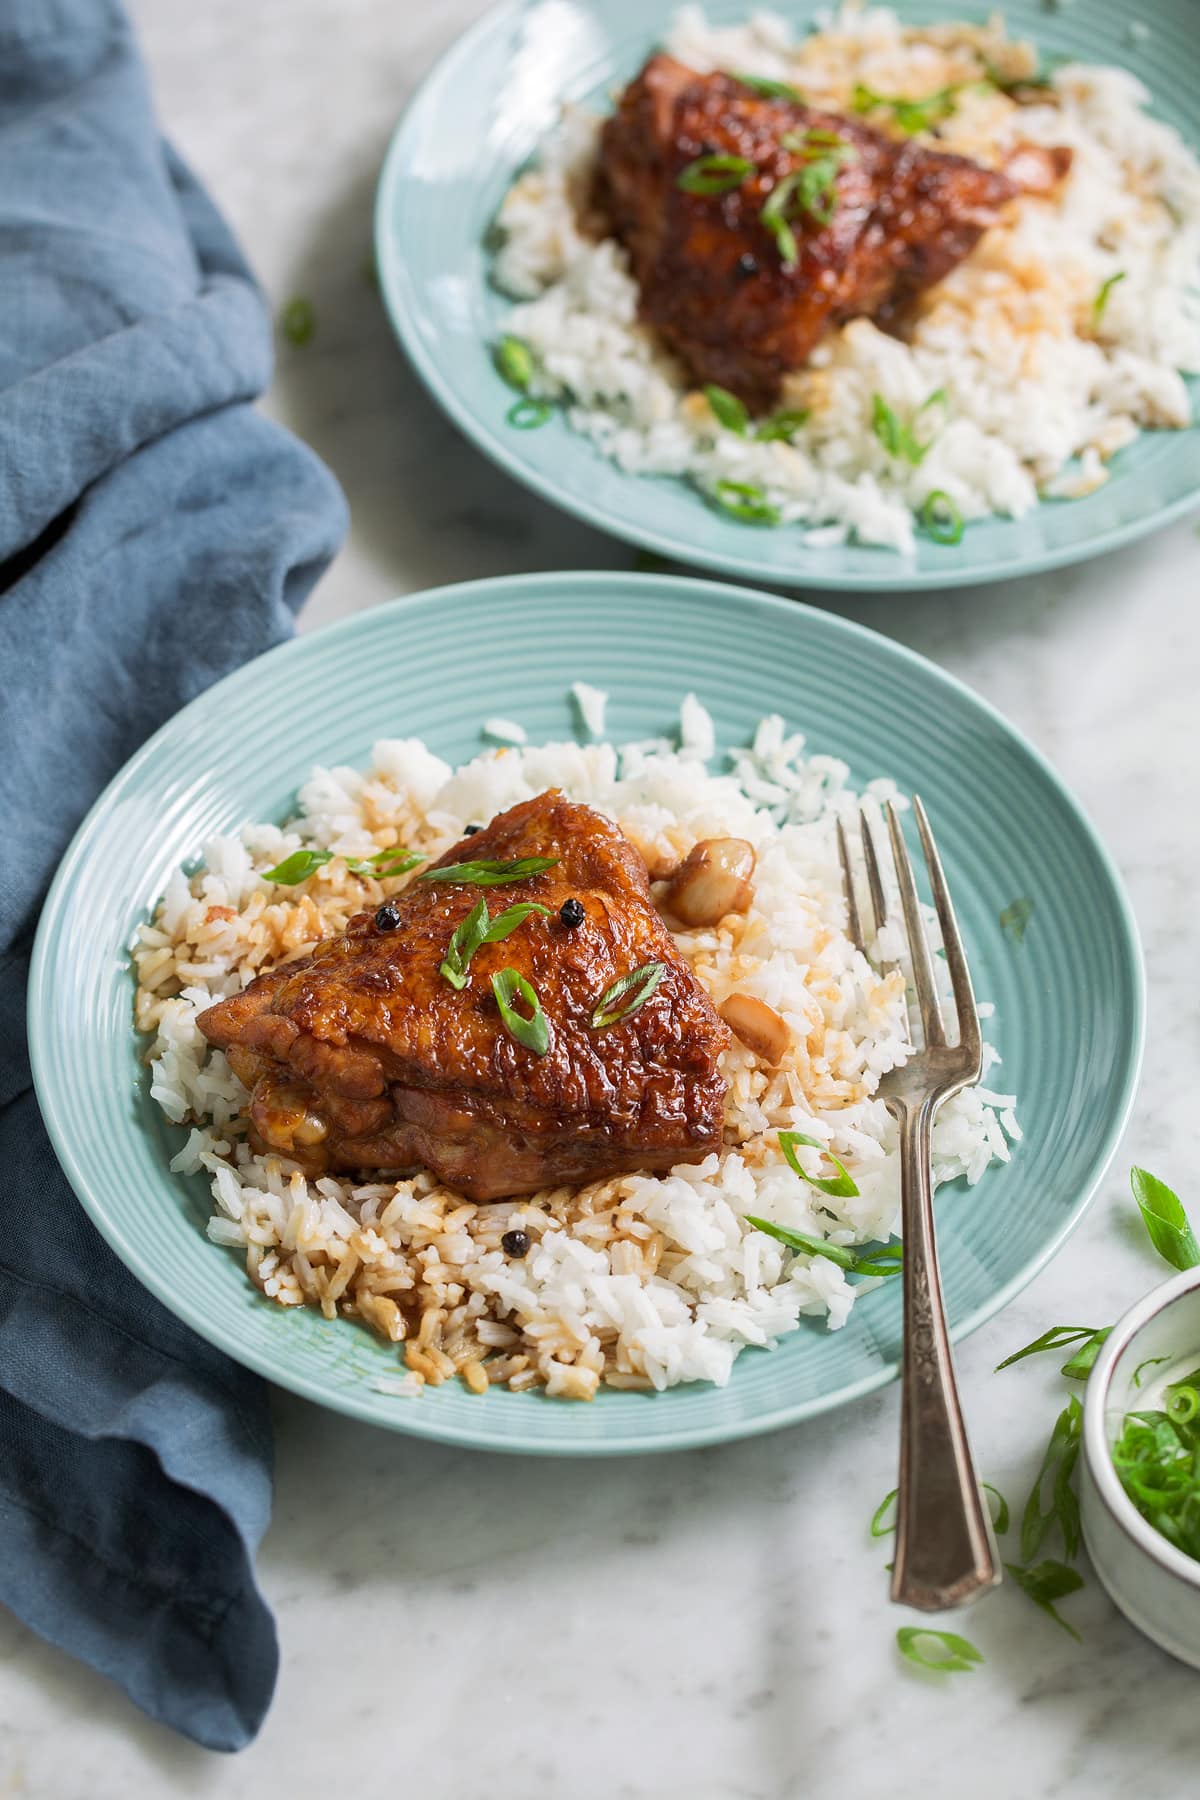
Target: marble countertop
[[714, 1625]]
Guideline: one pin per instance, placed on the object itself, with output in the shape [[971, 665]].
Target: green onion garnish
[[489, 874], [1079, 1366], [1015, 918], [1157, 1458], [298, 867], [782, 426], [1045, 1583], [999, 1512], [639, 984], [1183, 1403], [716, 174], [386, 863], [528, 414], [298, 321], [302, 863], [1058, 1464], [1057, 1338], [911, 115], [881, 1525], [824, 153], [769, 90], [801, 1242], [1165, 1220], [941, 518], [477, 929], [1105, 289], [1151, 1362], [840, 1186], [897, 438], [532, 1032], [879, 1259], [944, 1651], [727, 409], [774, 219], [515, 362], [744, 500]]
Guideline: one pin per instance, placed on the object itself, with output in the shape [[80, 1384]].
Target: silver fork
[[945, 1546]]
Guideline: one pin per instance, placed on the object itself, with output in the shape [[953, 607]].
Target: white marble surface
[[714, 1625]]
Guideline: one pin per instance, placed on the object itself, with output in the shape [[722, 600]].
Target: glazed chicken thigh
[[364, 1056], [873, 221]]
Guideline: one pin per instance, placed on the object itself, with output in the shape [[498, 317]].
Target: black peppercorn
[[571, 913], [388, 916], [470, 830], [746, 264], [515, 1243]]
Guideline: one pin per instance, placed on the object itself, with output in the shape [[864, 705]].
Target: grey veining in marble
[[715, 1625]]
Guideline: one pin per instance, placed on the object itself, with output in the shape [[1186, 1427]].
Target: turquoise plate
[[1069, 1023], [476, 121]]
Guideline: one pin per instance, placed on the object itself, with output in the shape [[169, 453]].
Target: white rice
[[637, 1281], [1040, 390]]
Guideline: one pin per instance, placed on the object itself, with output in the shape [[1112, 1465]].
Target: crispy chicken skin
[[363, 1056], [712, 278]]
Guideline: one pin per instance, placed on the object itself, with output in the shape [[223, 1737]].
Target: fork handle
[[945, 1546]]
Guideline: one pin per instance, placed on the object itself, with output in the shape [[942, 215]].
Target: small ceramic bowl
[[1155, 1585]]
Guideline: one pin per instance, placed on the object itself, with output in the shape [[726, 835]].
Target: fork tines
[[924, 980]]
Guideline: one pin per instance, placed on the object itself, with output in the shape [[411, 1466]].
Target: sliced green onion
[[465, 940], [744, 500], [1157, 1458], [476, 930], [941, 518], [489, 874], [1045, 1583], [1151, 1362], [782, 426], [1079, 1366], [298, 867], [727, 409], [298, 321], [804, 1244], [380, 867], [880, 1260], [911, 115], [1183, 1403], [769, 90], [533, 1032], [639, 984], [897, 438], [386, 863], [515, 362], [999, 1512], [944, 1651], [1103, 292], [1058, 1464], [715, 174], [1165, 1220], [815, 184], [881, 1526], [1057, 1338], [528, 414], [877, 1260], [840, 1186], [1014, 920], [773, 218]]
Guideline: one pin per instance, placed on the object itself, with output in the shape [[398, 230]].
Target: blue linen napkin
[[154, 533]]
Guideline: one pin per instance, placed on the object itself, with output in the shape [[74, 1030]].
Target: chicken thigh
[[365, 1055], [813, 219]]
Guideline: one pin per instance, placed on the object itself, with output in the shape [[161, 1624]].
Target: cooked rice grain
[[637, 1281]]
